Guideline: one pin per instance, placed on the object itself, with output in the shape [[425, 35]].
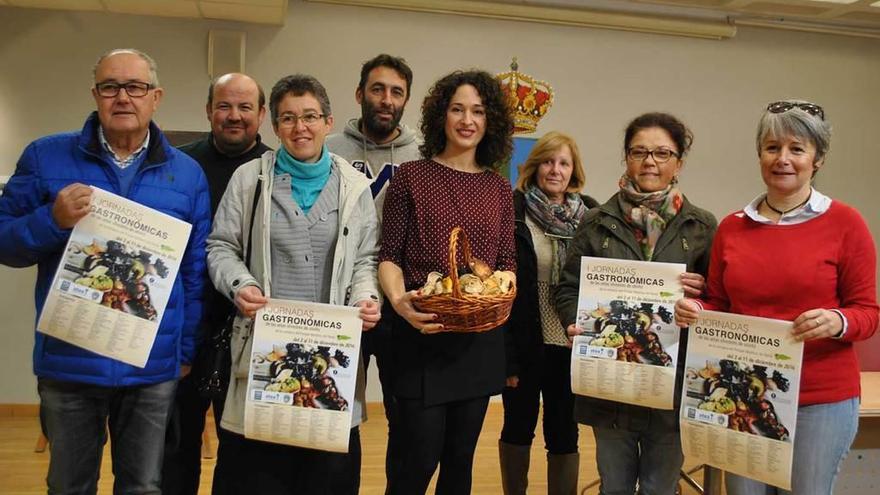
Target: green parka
[[604, 233]]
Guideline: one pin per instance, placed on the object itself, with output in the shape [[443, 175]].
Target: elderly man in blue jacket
[[121, 150]]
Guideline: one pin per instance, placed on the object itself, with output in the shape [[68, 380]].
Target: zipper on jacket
[[605, 243], [684, 244]]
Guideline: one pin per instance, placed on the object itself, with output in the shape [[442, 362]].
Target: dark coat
[[524, 335], [604, 233]]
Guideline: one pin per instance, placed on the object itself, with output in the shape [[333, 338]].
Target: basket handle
[[457, 235]]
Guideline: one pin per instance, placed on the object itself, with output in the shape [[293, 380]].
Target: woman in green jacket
[[649, 219]]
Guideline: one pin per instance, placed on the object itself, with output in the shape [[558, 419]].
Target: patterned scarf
[[558, 221], [648, 213]]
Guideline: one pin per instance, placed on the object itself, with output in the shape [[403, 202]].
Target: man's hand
[[71, 204], [249, 299], [369, 313], [185, 369]]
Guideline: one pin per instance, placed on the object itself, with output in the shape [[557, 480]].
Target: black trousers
[[444, 434], [182, 464], [550, 377], [246, 467], [377, 342]]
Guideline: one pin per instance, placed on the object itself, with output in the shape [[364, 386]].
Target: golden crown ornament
[[529, 99]]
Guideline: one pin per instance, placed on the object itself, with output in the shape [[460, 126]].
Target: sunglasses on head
[[784, 106]]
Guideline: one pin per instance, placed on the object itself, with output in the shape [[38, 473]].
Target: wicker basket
[[459, 312]]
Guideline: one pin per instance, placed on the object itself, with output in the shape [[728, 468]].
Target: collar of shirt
[[817, 205], [122, 162]]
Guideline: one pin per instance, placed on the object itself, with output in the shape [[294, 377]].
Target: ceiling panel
[[263, 3], [693, 3], [167, 8], [847, 17], [863, 16], [87, 5], [828, 15], [256, 11], [785, 8]]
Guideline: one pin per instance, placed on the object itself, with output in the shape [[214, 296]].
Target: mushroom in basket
[[481, 282]]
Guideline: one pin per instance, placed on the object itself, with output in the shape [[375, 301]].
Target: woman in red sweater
[[443, 381], [795, 254]]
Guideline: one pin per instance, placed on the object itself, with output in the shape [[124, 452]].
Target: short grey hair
[[154, 69], [796, 123]]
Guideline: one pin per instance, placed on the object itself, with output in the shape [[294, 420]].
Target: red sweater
[[780, 271]]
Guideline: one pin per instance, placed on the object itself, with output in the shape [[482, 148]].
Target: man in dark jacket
[[121, 150], [236, 108]]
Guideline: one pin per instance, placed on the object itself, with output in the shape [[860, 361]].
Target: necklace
[[783, 212]]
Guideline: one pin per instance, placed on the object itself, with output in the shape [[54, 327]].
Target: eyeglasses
[[134, 89], [290, 119], [784, 106], [661, 155]]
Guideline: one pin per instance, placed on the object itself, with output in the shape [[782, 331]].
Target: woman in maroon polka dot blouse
[[443, 381]]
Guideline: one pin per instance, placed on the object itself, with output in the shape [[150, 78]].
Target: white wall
[[602, 79]]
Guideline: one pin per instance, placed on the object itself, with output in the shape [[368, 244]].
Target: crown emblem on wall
[[528, 98]]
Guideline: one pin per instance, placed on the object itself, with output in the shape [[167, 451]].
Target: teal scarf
[[307, 179]]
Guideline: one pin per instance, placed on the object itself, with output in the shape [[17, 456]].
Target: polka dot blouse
[[426, 200]]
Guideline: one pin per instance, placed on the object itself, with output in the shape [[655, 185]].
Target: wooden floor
[[23, 471]]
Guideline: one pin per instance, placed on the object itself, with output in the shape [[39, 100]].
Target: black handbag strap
[[247, 249]]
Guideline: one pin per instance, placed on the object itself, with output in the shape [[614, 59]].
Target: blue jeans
[[652, 457], [823, 436], [76, 417]]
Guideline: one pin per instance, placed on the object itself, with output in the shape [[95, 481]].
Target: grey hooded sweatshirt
[[378, 162]]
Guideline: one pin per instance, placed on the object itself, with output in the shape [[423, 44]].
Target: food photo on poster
[[115, 275]]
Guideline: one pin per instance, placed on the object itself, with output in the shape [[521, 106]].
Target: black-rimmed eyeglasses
[[134, 89], [784, 106], [660, 155]]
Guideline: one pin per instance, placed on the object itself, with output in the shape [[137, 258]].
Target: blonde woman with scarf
[[649, 219], [548, 207]]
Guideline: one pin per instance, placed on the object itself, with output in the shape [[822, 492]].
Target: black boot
[[514, 467], [562, 473]]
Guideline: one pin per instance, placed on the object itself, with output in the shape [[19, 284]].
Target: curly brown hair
[[496, 147]]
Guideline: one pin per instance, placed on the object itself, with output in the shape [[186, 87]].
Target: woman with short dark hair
[[310, 221], [649, 219], [795, 254], [443, 381]]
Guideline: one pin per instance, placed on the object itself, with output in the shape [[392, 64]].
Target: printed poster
[[629, 346], [303, 374], [114, 279], [740, 396]]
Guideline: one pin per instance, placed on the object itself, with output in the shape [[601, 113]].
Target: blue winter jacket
[[168, 181]]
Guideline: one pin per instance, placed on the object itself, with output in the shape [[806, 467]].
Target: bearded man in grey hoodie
[[376, 144]]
